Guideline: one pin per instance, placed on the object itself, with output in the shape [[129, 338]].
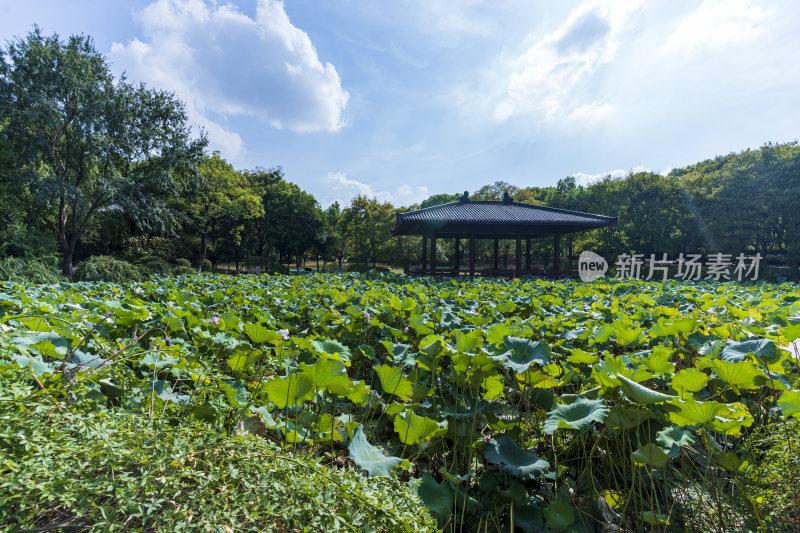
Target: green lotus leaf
[[653, 518], [741, 375], [789, 403], [629, 336], [408, 304], [559, 515], [37, 365], [579, 415], [763, 349], [658, 362], [243, 359], [792, 332], [678, 327], [529, 518], [514, 460], [437, 497], [432, 345], [728, 461], [414, 429], [370, 458], [468, 342], [641, 394], [691, 412], [673, 438], [689, 380], [259, 334], [521, 353], [494, 386], [333, 349], [293, 389], [166, 392], [393, 381], [579, 357], [650, 455], [358, 392], [329, 375], [628, 417], [730, 426]]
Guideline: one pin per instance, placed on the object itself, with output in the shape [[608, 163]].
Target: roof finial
[[465, 197], [507, 198]]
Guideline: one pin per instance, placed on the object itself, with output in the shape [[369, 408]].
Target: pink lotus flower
[[284, 333]]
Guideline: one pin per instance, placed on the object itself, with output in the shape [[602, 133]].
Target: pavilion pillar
[[556, 252], [518, 257], [456, 258], [472, 254], [496, 255], [527, 255], [424, 253], [433, 254]]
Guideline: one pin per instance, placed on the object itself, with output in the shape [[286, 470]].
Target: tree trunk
[[203, 248], [66, 260]]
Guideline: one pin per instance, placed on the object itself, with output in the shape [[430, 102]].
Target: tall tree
[[84, 142], [221, 204], [367, 225]]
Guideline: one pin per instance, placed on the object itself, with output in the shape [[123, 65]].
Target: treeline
[[91, 166]]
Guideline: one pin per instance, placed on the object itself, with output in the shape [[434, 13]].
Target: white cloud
[[225, 64], [587, 179], [543, 79], [343, 189], [718, 23]]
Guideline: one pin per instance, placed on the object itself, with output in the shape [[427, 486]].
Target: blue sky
[[409, 98]]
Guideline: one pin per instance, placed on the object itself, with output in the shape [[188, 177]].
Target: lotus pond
[[526, 404]]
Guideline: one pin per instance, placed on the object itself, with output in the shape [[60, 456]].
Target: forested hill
[[744, 201], [92, 166]]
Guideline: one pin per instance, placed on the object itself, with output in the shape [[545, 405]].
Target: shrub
[[106, 268], [146, 245], [154, 264], [207, 266], [181, 262], [22, 270], [85, 467], [183, 270], [774, 481]]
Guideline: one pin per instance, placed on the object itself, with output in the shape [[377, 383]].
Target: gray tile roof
[[497, 213]]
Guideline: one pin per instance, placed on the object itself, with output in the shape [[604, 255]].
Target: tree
[[84, 143], [367, 226], [439, 199], [334, 235], [224, 199], [292, 220]]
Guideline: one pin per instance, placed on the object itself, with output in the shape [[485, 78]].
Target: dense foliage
[[84, 466], [540, 404]]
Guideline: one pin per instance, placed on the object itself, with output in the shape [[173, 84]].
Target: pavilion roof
[[504, 217]]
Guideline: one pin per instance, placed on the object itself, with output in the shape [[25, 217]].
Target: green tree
[[367, 226], [222, 202], [84, 143]]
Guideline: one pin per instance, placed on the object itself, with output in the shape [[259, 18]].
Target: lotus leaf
[[520, 354], [514, 460], [579, 415], [559, 515], [414, 429], [650, 455], [369, 457]]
